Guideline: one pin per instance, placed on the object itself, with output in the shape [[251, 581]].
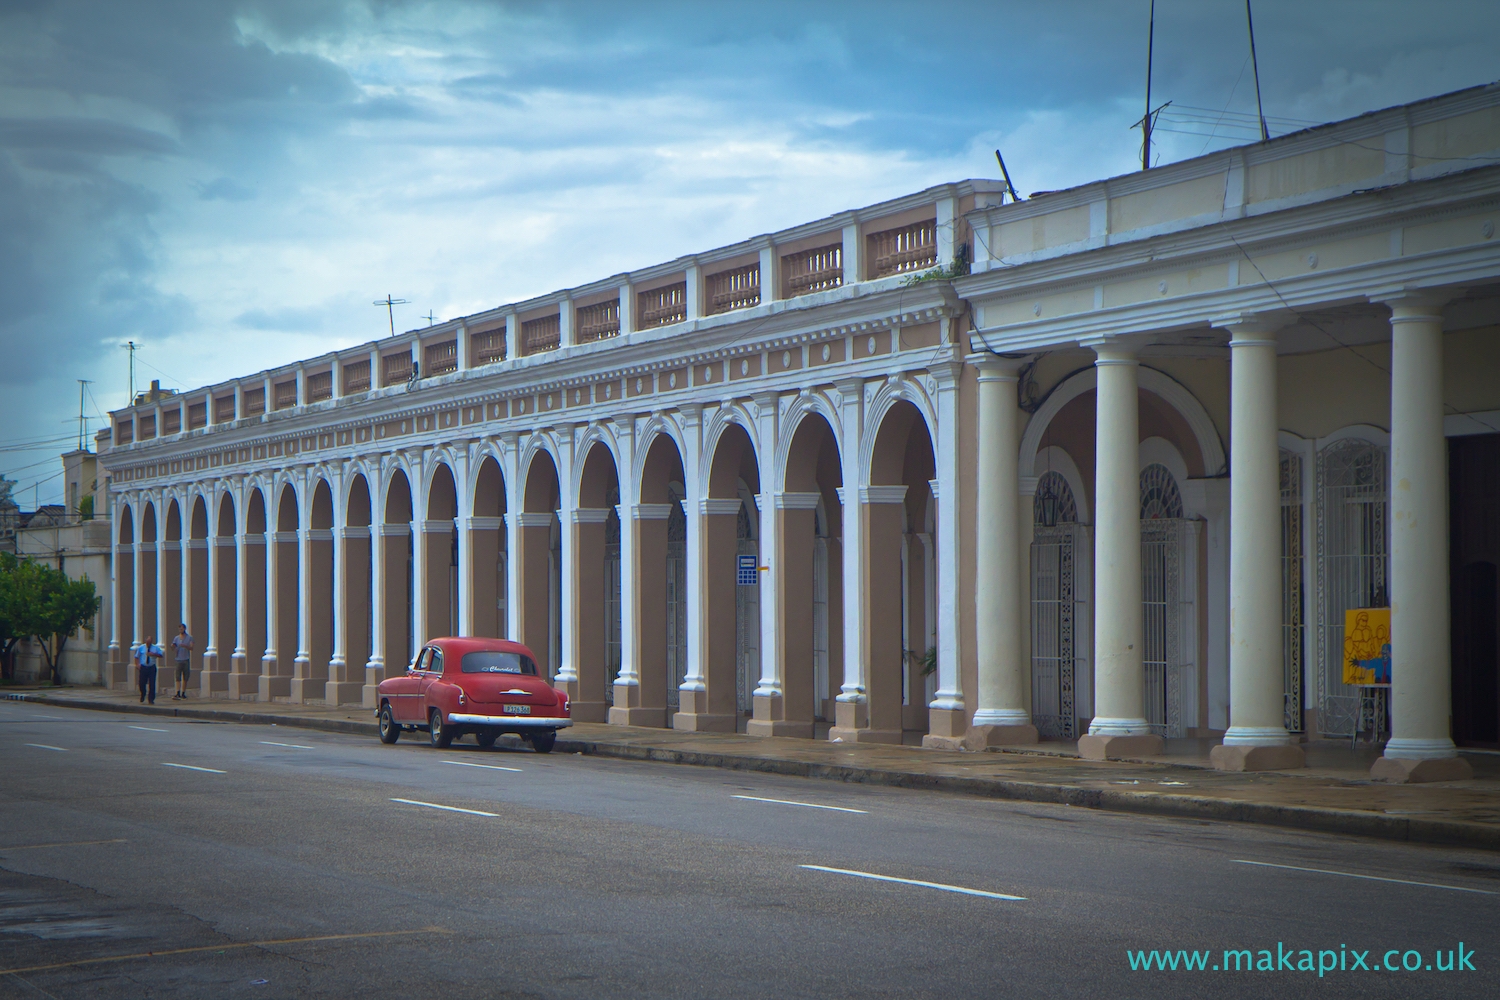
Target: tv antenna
[[430, 318], [1148, 119], [390, 309], [1265, 136], [82, 433], [1006, 174]]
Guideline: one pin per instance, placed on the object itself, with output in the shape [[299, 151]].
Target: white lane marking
[[148, 729], [46, 746], [805, 805], [1373, 878], [912, 881], [490, 767], [35, 716], [294, 746], [195, 767], [452, 809]]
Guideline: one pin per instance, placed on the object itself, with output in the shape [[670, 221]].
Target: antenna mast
[[1146, 121], [81, 431], [390, 309], [1265, 136], [130, 346]]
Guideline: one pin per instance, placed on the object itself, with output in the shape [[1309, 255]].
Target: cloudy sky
[[231, 184]]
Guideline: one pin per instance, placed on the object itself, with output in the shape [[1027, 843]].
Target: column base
[[272, 686], [306, 690], [779, 727], [651, 718], [117, 669], [343, 693], [370, 693], [945, 723], [702, 722], [1252, 758], [588, 711], [839, 734], [1404, 770], [982, 737], [1121, 747], [242, 685]]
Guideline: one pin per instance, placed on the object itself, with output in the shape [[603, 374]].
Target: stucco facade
[[1118, 483]]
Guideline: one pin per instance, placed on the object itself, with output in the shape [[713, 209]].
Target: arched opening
[[731, 577], [539, 596], [809, 585], [1058, 629], [282, 560], [439, 612], [595, 602], [899, 514], [147, 584], [224, 615], [1168, 585], [654, 652], [126, 625], [310, 669], [397, 577], [488, 573], [346, 681], [245, 665], [171, 575], [195, 587]]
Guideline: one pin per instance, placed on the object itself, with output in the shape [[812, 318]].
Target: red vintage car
[[482, 686]]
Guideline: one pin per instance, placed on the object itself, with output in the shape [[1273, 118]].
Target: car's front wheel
[[486, 739], [543, 741], [440, 735], [390, 729]]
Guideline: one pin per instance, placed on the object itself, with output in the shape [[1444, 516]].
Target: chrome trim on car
[[518, 721]]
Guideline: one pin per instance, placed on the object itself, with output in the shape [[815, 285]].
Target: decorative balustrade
[[487, 347], [440, 359], [319, 387], [813, 270], [736, 289], [395, 368], [898, 251], [542, 334], [286, 394], [171, 421], [255, 401], [198, 414], [599, 321], [223, 409], [356, 376], [661, 306]]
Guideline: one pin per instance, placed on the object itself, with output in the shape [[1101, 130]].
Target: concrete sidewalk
[[1333, 794]]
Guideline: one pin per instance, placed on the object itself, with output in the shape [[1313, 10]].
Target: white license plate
[[516, 709]]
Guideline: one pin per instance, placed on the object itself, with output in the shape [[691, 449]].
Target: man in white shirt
[[182, 646], [146, 656]]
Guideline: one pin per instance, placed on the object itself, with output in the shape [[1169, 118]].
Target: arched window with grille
[[1165, 589], [1055, 547]]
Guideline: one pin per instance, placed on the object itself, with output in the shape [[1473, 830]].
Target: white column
[[1257, 738], [770, 274], [854, 253], [769, 685], [695, 682], [515, 494], [1119, 726], [241, 590], [273, 636], [137, 605], [164, 630], [512, 341], [997, 555], [694, 293], [338, 658], [378, 531], [211, 643], [626, 511], [1421, 745], [851, 419], [462, 344], [302, 663]]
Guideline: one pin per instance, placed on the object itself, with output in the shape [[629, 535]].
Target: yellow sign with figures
[[1367, 646]]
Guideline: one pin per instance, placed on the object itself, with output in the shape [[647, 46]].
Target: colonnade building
[[1107, 464]]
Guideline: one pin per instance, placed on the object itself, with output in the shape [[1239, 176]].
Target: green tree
[[21, 594], [66, 606]]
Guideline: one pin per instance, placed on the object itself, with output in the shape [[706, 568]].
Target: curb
[[1449, 833]]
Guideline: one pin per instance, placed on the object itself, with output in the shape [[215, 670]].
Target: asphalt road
[[150, 858]]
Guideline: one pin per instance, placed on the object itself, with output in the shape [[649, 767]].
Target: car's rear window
[[494, 662]]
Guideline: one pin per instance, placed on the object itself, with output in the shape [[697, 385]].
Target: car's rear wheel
[[440, 735], [486, 739], [543, 741], [390, 729]]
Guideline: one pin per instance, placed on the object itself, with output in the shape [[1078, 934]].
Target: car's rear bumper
[[510, 721]]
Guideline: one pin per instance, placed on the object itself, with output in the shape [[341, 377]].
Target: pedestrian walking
[[182, 646], [146, 656]]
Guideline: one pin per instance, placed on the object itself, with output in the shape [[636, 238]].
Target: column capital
[[710, 506], [437, 526], [1248, 329], [359, 532], [795, 501], [1408, 304], [397, 530], [317, 534], [1113, 350], [535, 519], [647, 511], [946, 374], [283, 536], [996, 367], [484, 523], [589, 515], [882, 494]]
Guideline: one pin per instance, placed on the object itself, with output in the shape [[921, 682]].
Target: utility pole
[[390, 305], [130, 346], [81, 430], [1265, 135]]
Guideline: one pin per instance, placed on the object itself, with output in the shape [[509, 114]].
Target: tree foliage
[[37, 600]]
